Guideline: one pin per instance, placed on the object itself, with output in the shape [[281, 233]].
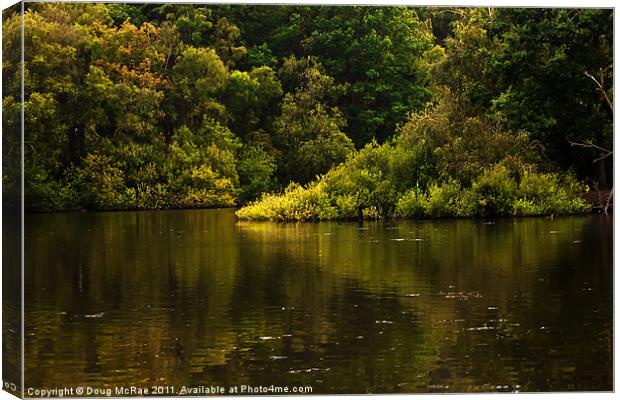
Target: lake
[[195, 297]]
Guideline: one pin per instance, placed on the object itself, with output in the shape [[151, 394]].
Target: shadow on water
[[195, 297]]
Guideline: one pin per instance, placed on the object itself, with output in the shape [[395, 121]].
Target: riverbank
[[600, 200], [595, 202]]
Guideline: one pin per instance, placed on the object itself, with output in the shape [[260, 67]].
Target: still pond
[[195, 297]]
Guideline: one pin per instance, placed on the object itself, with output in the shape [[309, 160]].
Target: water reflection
[[194, 297]]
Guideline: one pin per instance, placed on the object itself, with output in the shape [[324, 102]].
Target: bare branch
[[611, 195], [589, 143], [453, 11], [604, 156], [599, 84]]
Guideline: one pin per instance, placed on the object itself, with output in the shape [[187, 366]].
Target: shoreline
[[597, 200]]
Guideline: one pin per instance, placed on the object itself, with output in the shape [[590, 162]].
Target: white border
[[481, 3]]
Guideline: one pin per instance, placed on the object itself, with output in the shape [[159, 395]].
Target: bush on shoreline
[[418, 175], [315, 202]]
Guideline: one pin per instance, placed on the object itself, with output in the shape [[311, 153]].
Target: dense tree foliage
[[381, 52], [442, 163], [532, 66], [361, 111], [126, 116], [309, 128]]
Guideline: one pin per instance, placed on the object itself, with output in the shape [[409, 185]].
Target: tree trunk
[[76, 144], [611, 195], [601, 173]]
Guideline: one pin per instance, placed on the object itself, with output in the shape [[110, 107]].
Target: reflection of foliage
[[334, 289]]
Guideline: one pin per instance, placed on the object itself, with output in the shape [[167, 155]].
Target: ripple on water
[[472, 310]]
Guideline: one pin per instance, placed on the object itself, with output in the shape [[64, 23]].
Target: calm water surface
[[195, 297]]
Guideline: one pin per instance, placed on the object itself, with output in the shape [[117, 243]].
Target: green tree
[[197, 76], [530, 65], [250, 98], [308, 132], [380, 51], [256, 173]]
